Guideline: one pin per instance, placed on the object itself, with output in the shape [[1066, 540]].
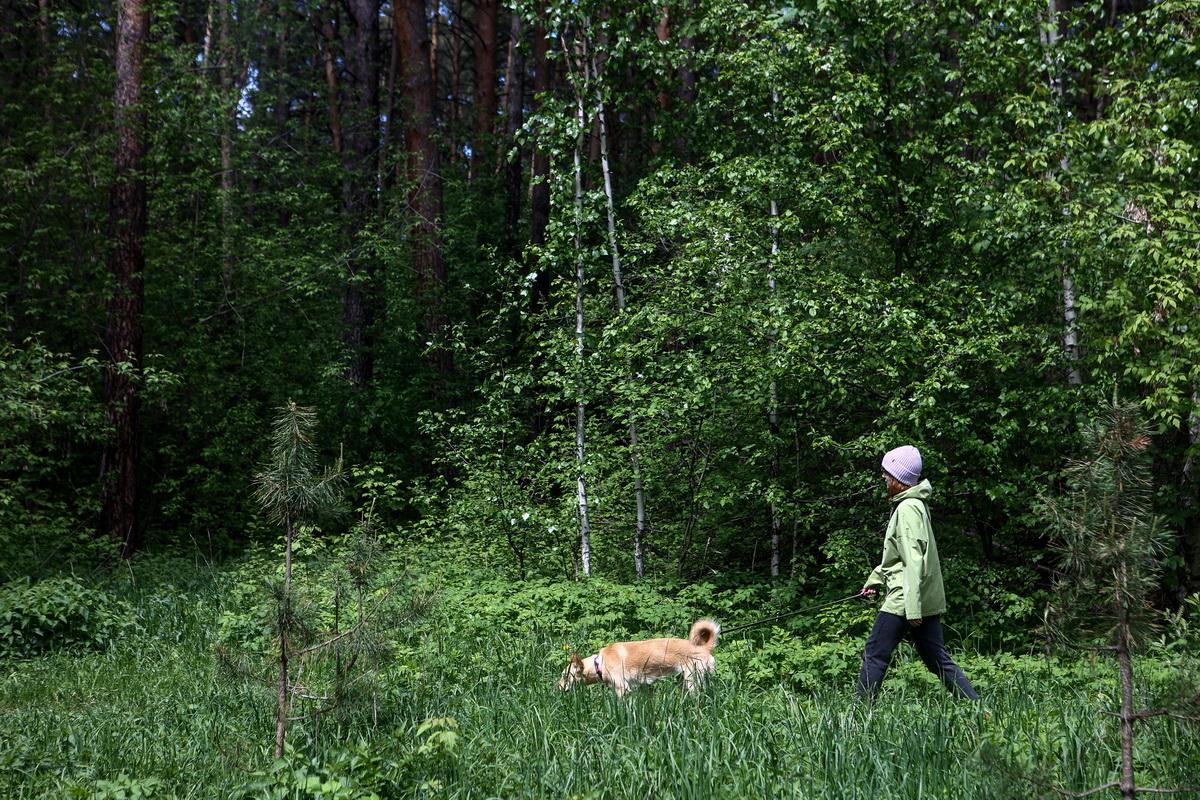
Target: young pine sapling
[[1111, 548], [292, 488]]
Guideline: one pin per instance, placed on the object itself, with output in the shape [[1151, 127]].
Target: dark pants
[[886, 634]]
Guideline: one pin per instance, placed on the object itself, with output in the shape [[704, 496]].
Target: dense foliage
[[633, 292], [838, 226]]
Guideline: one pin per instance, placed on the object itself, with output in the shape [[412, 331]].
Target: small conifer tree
[[1111, 548], [292, 488]]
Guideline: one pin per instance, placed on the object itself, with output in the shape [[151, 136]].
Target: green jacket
[[910, 575]]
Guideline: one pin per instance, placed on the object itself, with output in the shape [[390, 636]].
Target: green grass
[[156, 705]]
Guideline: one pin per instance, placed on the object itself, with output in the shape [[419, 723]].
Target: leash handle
[[807, 610]]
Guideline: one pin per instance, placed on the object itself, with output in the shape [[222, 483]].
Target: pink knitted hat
[[904, 464]]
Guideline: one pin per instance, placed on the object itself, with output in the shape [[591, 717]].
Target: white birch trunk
[[619, 286], [1071, 334], [1070, 323], [206, 53], [585, 544], [773, 396], [1193, 432], [773, 390]]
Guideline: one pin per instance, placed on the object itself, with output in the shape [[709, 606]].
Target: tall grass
[[158, 706]]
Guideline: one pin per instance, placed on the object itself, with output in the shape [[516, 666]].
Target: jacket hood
[[922, 491]]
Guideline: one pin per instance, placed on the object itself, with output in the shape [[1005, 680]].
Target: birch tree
[[639, 533], [773, 397], [1070, 315], [514, 102], [581, 498]]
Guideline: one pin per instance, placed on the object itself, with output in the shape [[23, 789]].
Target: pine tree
[[1111, 548], [292, 488]]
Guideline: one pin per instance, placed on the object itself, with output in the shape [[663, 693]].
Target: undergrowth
[[465, 705]]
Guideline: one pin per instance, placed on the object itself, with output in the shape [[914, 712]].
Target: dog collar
[[598, 665]]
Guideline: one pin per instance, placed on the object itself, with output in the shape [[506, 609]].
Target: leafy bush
[[57, 612], [340, 776], [48, 418], [122, 788]]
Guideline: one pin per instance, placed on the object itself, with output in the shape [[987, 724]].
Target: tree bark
[[283, 96], [45, 58], [662, 32], [123, 336], [206, 49], [773, 390], [1071, 327], [1070, 338], [359, 178], [424, 169], [332, 88], [514, 84], [539, 205], [485, 80], [434, 51], [389, 108], [1125, 663], [585, 531], [281, 718], [228, 121], [455, 33], [639, 533]]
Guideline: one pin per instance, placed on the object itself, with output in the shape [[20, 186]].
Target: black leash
[[810, 609]]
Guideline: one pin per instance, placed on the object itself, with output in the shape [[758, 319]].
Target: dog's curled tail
[[704, 633]]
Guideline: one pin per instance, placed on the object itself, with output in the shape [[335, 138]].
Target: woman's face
[[894, 487]]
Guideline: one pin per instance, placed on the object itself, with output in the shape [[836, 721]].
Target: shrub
[[123, 788], [57, 612]]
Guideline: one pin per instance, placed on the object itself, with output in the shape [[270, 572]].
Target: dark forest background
[[605, 288]]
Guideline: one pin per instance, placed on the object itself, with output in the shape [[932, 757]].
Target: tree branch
[[357, 626]]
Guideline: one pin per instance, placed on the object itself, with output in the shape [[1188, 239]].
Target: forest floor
[[461, 704]]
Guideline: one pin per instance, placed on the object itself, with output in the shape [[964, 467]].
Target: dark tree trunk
[[389, 105], [361, 131], [123, 337], [228, 122], [434, 50], [685, 79], [1125, 664], [485, 80], [662, 32], [424, 173], [687, 89], [514, 82], [284, 616], [283, 91], [454, 35], [332, 90]]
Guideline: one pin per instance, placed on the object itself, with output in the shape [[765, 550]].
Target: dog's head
[[574, 673]]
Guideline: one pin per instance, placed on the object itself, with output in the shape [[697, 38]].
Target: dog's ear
[[575, 659]]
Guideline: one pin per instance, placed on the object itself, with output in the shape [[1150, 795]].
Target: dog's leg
[[691, 678]]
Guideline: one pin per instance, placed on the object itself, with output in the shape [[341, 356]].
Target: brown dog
[[623, 665]]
